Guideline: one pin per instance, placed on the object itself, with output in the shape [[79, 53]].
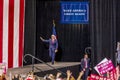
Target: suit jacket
[[51, 44], [83, 63]]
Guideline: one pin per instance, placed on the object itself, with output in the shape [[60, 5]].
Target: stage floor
[[43, 67]]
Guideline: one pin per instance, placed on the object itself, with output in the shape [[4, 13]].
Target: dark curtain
[[30, 29], [101, 33], [103, 30], [72, 38], [118, 21]]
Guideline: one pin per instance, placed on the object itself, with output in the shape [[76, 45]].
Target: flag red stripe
[[21, 28], [1, 28], [10, 33]]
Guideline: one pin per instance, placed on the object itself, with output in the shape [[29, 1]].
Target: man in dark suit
[[53, 46], [85, 66]]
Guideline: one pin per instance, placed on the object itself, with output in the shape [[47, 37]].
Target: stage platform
[[44, 69]]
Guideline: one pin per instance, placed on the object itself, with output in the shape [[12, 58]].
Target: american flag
[[11, 32]]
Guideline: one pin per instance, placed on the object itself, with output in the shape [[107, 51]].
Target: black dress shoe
[[52, 63]]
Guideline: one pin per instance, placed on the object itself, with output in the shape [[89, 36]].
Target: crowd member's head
[[51, 77], [58, 76], [2, 77], [46, 77], [16, 76], [30, 76]]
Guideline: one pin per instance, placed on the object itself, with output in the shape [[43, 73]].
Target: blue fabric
[[51, 44], [52, 54], [54, 31]]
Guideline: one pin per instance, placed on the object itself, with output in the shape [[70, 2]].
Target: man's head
[[85, 55]]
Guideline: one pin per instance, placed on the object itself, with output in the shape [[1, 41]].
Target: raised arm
[[69, 73], [44, 40], [80, 75]]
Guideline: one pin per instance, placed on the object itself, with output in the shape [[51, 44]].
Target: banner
[[105, 67], [74, 12], [112, 75], [106, 71], [96, 68], [97, 77]]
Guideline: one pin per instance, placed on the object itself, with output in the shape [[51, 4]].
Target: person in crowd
[[118, 73], [85, 66], [3, 77], [69, 75], [16, 77], [53, 46], [46, 77], [58, 76], [80, 75], [51, 77], [30, 76], [118, 53], [23, 76]]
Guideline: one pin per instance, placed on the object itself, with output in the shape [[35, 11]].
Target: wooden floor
[[43, 67]]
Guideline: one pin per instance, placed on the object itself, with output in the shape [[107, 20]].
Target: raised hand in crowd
[[69, 73], [58, 75], [80, 75], [51, 77]]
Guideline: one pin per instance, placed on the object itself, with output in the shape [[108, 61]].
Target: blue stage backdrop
[[74, 12]]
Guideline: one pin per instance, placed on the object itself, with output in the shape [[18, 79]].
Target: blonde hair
[[53, 36]]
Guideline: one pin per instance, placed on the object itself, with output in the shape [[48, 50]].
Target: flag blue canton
[[54, 31]]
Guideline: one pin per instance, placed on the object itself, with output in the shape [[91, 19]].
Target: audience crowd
[[58, 76]]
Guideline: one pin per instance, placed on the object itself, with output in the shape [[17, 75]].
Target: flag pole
[[53, 22]]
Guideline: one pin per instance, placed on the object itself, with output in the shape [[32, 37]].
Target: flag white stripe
[[6, 56], [5, 31], [16, 33]]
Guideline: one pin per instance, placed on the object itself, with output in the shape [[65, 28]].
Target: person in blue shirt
[[53, 46]]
